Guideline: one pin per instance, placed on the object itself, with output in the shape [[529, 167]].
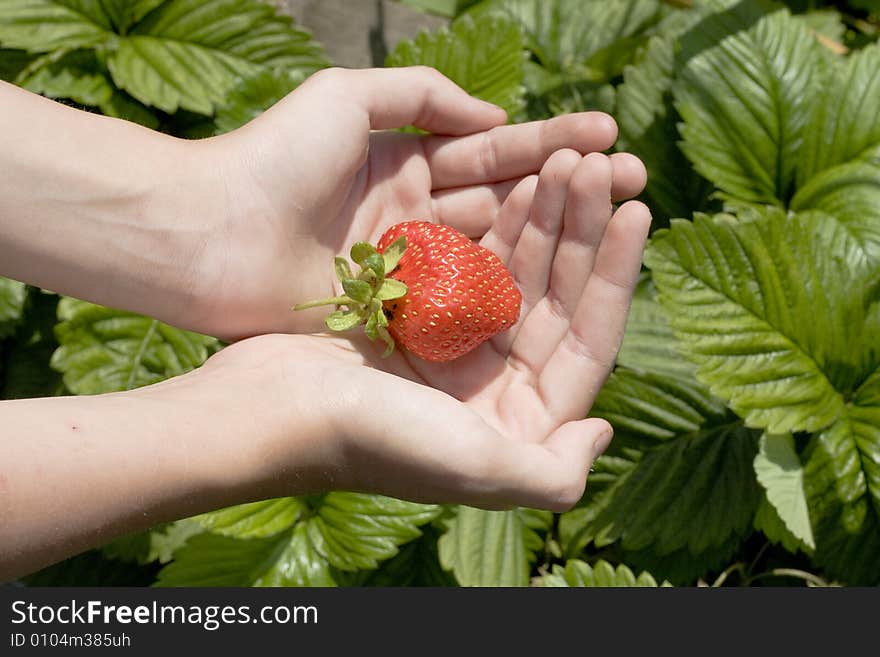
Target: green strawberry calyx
[[365, 292]]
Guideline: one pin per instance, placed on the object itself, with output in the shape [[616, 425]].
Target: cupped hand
[[503, 425], [320, 170]]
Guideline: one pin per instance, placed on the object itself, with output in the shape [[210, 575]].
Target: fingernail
[[602, 443]]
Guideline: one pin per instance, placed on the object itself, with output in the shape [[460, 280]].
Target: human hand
[[317, 172], [503, 425]]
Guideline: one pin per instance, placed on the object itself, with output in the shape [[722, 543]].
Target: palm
[[551, 232]]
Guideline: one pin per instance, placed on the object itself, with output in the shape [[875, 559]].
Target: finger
[[532, 258], [551, 475], [512, 217], [630, 176], [514, 151], [576, 371], [587, 213], [472, 210], [414, 95]]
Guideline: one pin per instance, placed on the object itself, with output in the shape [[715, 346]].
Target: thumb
[[419, 96]]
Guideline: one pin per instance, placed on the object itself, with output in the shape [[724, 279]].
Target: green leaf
[[299, 564], [391, 289], [12, 299], [47, 25], [743, 97], [648, 124], [577, 47], [343, 320], [297, 542], [376, 263], [166, 540], [492, 548], [393, 253], [483, 56], [91, 568], [360, 251], [254, 95], [358, 290], [827, 22], [771, 310], [842, 481], [106, 350], [27, 363], [601, 574], [355, 531], [767, 520], [670, 499], [447, 8], [648, 342], [77, 76], [417, 564], [13, 62], [656, 406], [214, 560], [779, 470], [123, 106], [254, 520], [845, 123], [343, 269], [850, 451], [850, 193]]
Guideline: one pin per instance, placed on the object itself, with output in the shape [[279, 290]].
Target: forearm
[[77, 472], [96, 207]]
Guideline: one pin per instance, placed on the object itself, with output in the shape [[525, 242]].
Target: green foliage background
[[746, 397]]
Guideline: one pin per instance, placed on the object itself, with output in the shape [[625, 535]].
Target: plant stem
[[332, 301]]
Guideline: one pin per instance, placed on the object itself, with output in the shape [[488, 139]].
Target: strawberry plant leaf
[[355, 531], [492, 548], [779, 470], [47, 25], [656, 406], [447, 8], [394, 252], [484, 57], [300, 541], [107, 350], [213, 560], [576, 47], [254, 520], [12, 299], [77, 75], [342, 320], [648, 123], [849, 192], [768, 522], [742, 98], [648, 342], [577, 573], [670, 499], [845, 122], [757, 303], [27, 371], [842, 480], [254, 95], [417, 564], [176, 54], [13, 62], [391, 289]]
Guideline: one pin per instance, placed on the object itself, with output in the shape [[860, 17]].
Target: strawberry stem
[[332, 301]]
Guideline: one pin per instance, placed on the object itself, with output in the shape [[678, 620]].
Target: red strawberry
[[460, 293], [429, 287]]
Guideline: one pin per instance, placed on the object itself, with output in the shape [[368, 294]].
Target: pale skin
[[224, 235]]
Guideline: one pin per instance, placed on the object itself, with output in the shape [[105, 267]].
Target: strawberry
[[427, 287]]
